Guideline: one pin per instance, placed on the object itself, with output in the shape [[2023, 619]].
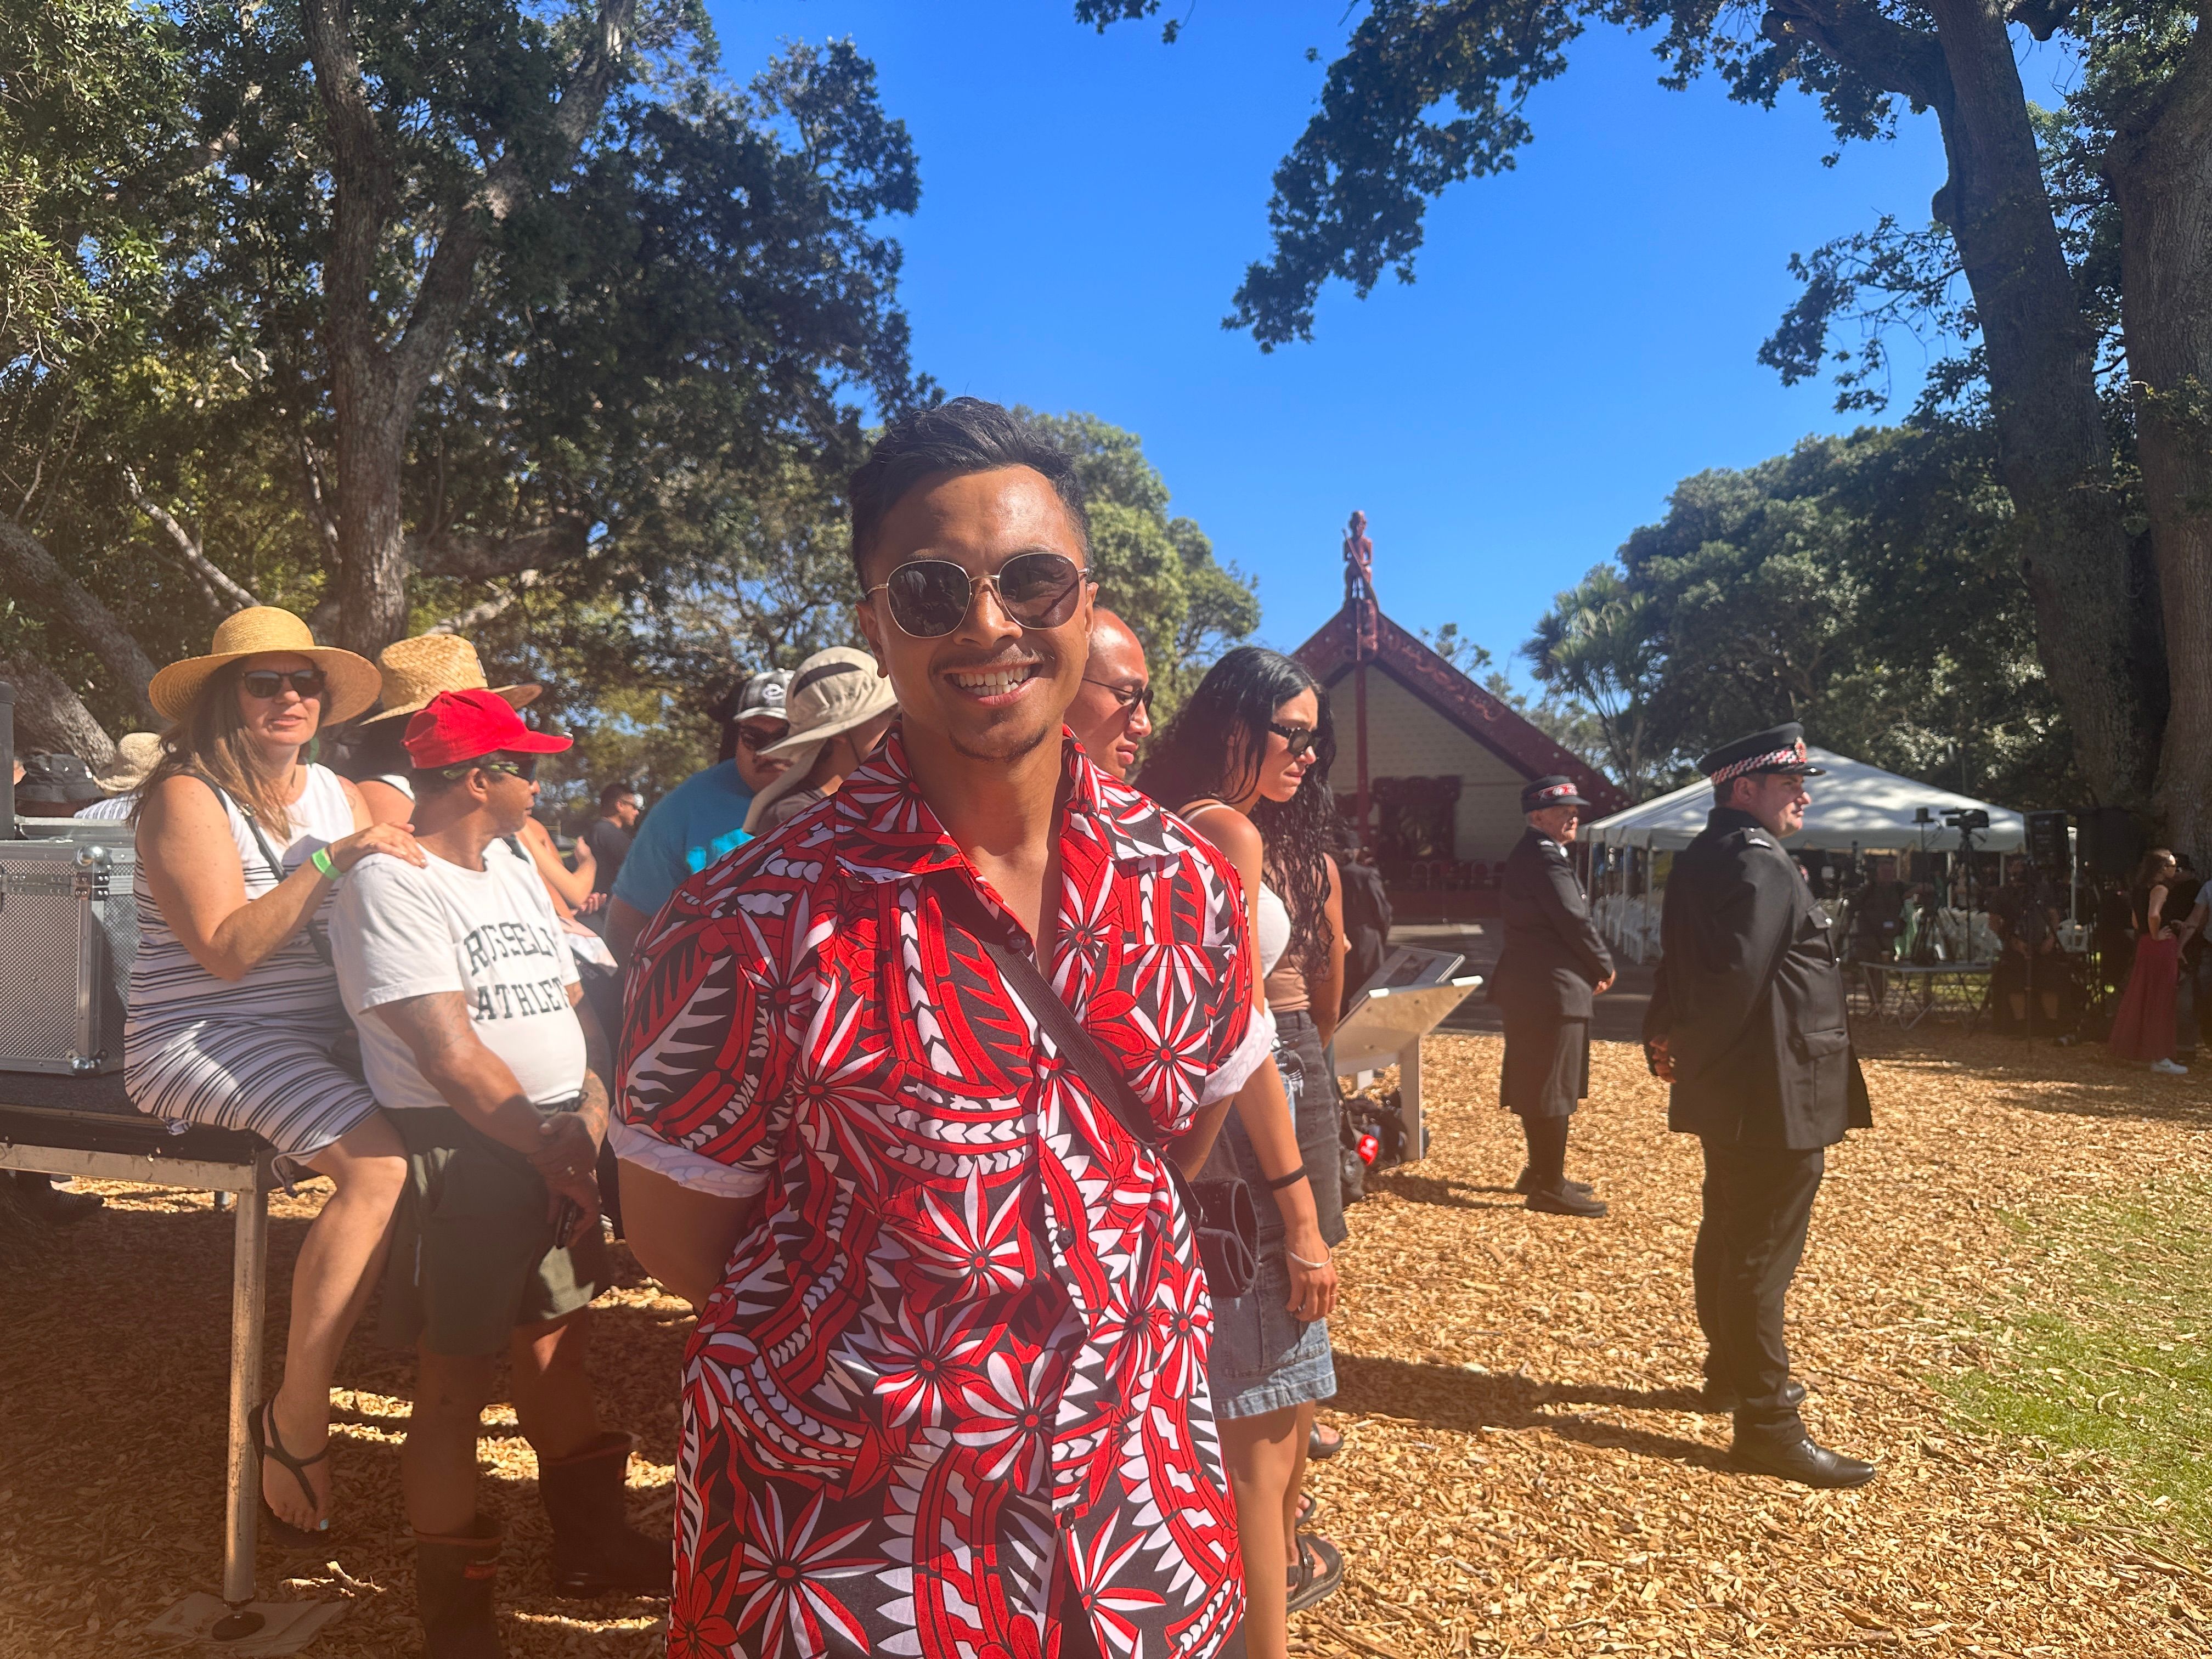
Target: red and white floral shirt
[[967, 1332]]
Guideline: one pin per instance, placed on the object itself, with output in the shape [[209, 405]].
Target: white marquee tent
[[1855, 805]]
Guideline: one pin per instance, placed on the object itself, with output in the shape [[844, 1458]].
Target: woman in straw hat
[[235, 1010], [415, 671]]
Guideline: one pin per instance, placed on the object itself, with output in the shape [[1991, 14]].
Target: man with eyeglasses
[[948, 1391], [475, 1040], [1112, 714], [703, 818]]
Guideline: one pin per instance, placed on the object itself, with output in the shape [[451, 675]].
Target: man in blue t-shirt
[[703, 817]]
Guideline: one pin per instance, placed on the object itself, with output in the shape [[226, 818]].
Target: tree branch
[[488, 558], [478, 614], [319, 508], [222, 594], [449, 283], [49, 716], [1856, 34], [26, 568]]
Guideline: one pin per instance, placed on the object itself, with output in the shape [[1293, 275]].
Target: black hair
[[1200, 758], [611, 793], [375, 750], [965, 435]]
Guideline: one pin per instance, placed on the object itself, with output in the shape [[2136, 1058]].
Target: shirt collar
[[886, 831]]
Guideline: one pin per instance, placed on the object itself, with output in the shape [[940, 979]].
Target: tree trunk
[[2095, 624], [31, 572], [2161, 173], [50, 716]]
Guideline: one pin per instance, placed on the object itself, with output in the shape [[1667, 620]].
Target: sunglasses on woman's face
[[1298, 739], [268, 685], [930, 598]]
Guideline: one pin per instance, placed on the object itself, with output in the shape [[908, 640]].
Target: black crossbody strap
[[1028, 984]]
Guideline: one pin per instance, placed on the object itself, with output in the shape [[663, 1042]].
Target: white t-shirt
[[397, 931]]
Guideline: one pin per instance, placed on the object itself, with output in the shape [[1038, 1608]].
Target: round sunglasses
[[930, 598], [1297, 739], [268, 683]]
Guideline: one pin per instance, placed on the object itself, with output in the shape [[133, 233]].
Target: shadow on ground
[[1449, 1397], [2080, 1081]]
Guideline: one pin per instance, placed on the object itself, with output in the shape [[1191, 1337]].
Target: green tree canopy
[[1861, 585]]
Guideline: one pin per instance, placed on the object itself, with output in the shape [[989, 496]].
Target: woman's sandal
[[1309, 1507], [1320, 1572], [1323, 1444], [266, 1445]]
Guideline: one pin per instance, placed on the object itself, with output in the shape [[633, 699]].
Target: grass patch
[[2104, 1355]]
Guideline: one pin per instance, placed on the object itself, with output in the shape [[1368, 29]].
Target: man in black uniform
[[1553, 963], [1748, 1023]]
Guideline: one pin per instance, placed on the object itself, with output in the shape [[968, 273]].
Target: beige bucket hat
[[136, 757], [416, 670], [262, 630], [832, 692]]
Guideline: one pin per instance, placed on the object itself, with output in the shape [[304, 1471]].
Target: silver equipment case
[[68, 930]]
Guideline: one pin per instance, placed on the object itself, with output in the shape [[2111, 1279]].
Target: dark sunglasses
[[929, 598], [521, 766], [753, 738], [1126, 697], [1299, 737], [268, 685]]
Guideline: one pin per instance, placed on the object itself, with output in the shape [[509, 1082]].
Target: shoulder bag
[[1221, 1210]]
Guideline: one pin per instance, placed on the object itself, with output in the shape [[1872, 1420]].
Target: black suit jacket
[[1553, 954], [1750, 996]]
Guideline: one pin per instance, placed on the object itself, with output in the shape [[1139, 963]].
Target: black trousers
[[1759, 1203]]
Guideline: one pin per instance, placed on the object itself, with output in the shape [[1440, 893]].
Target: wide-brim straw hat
[[263, 630], [136, 757], [416, 670]]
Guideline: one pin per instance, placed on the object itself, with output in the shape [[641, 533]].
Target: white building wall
[[1405, 738]]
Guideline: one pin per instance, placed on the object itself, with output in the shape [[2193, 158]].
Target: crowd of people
[[956, 1044]]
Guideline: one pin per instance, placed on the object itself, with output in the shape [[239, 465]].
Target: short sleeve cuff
[[1245, 1058], [685, 1168]]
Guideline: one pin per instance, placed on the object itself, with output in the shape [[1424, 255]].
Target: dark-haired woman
[[234, 1009], [1246, 761], [2143, 1027]]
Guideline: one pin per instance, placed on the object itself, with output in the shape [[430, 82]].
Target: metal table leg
[[249, 1296], [1409, 1102]]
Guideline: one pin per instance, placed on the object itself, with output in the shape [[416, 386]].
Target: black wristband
[[1290, 1180]]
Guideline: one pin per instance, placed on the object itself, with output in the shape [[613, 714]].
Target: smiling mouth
[[996, 681]]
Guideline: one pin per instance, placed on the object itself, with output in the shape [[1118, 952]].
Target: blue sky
[[1582, 334]]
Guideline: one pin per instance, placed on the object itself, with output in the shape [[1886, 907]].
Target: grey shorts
[[473, 1256], [1263, 1359]]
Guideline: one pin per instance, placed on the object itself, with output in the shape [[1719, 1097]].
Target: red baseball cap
[[464, 726]]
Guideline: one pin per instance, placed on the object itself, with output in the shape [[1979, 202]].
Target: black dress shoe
[[1718, 1396], [1801, 1461], [1527, 1183], [1564, 1201]]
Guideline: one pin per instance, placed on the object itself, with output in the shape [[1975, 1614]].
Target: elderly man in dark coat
[[1553, 962], [1748, 1022]]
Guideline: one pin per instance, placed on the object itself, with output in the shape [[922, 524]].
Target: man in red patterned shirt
[[947, 1395]]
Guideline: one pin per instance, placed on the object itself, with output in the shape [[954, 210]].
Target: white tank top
[[1274, 924], [168, 984]]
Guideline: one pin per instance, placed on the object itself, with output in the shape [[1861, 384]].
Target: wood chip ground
[[1523, 1474]]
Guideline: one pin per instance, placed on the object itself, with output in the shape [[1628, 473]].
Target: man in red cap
[[476, 1041]]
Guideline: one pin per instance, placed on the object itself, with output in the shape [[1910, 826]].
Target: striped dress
[[252, 1053]]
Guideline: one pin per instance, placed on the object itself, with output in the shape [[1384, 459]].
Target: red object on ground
[[2143, 1030], [1370, 1146]]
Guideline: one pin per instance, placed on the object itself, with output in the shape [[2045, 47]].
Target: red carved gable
[[1496, 725]]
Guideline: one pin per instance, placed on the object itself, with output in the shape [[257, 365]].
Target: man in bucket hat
[[1747, 1024], [475, 1043], [840, 706], [1552, 965]]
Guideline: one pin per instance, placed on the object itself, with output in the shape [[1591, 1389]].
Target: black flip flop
[[281, 1533], [1320, 1572], [1309, 1507], [1319, 1451]]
